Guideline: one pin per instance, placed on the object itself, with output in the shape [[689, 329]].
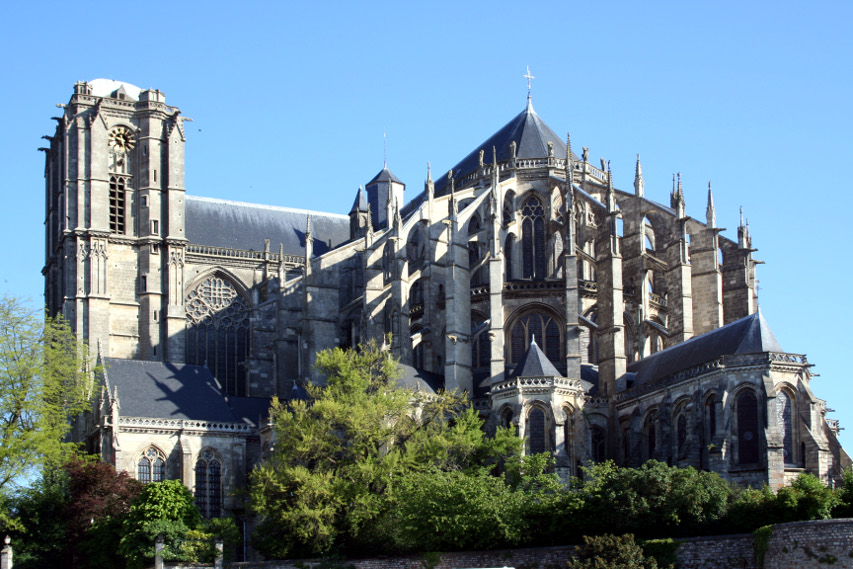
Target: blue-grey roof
[[534, 363], [164, 390], [360, 203], [531, 136], [249, 410], [385, 176], [239, 225], [421, 380], [749, 335]]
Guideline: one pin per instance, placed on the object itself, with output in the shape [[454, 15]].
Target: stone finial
[[513, 147], [710, 212], [639, 184], [482, 157]]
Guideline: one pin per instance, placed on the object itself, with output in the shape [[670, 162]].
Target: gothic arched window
[[416, 248], [598, 443], [537, 437], [509, 243], [208, 484], [539, 326], [151, 466], [533, 242], [784, 412], [474, 225], [387, 263], [681, 432], [747, 428], [218, 332], [507, 213]]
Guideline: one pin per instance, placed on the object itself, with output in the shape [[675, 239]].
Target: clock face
[[121, 140]]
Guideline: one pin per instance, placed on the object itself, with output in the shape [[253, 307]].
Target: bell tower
[[114, 220]]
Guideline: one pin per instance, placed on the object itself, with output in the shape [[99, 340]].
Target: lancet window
[[208, 484], [533, 241], [747, 428], [784, 411], [218, 332], [539, 326], [537, 437], [118, 185]]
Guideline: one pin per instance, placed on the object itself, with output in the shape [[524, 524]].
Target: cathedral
[[596, 321]]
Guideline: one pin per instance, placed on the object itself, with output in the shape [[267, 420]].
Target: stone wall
[[815, 544], [821, 543]]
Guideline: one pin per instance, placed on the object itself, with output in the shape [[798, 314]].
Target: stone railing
[[588, 286], [184, 424], [657, 300], [521, 286], [209, 251]]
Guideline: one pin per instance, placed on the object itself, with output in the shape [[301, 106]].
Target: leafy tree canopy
[[45, 380], [341, 455]]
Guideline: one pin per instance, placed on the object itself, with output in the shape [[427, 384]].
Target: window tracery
[[540, 326], [208, 484], [537, 436], [533, 242], [218, 332], [151, 466]]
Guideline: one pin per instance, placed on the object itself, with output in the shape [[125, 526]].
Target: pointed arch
[[217, 330], [746, 415], [208, 483], [151, 466], [533, 240]]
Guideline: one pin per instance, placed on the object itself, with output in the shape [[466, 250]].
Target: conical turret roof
[[360, 203], [534, 363], [530, 134], [385, 176]]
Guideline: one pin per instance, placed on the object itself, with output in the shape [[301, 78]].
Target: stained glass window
[[785, 417], [546, 331], [536, 431], [208, 484], [533, 239], [218, 332], [151, 466], [747, 428]]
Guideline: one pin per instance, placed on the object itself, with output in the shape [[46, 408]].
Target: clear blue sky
[[290, 102]]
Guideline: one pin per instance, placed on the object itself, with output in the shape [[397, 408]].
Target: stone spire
[[611, 194], [710, 212], [639, 185], [676, 198]]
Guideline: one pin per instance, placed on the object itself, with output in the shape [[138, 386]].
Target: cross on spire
[[528, 76]]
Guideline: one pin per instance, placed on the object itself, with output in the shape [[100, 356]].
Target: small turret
[[359, 215], [382, 191]]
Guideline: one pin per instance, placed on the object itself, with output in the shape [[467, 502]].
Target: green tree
[[652, 500], [339, 456], [162, 508], [45, 380], [610, 552]]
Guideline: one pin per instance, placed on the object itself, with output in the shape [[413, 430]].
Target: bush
[[610, 552]]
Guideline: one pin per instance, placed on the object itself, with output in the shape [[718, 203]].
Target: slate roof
[[534, 363], [239, 225], [531, 136], [167, 390], [385, 176], [422, 380], [249, 410], [749, 335], [360, 203]]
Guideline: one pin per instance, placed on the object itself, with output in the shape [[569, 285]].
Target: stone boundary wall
[[816, 544], [820, 543]]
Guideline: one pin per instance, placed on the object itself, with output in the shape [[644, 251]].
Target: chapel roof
[[106, 88], [749, 335], [534, 363], [167, 390], [531, 136], [240, 225]]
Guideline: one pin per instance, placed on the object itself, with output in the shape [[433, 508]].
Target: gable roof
[[239, 225], [749, 335], [534, 363]]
